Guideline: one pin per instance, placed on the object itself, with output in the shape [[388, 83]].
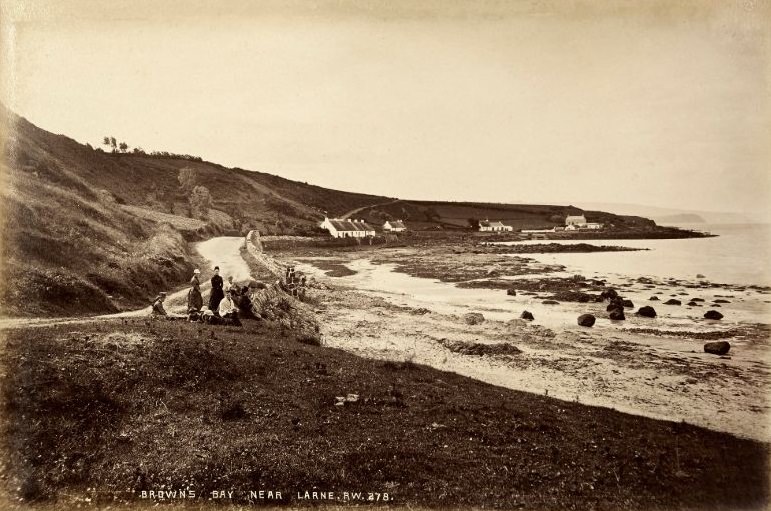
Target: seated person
[[244, 304], [158, 309], [228, 307]]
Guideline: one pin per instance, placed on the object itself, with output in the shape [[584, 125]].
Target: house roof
[[576, 217], [396, 224], [487, 223], [349, 225]]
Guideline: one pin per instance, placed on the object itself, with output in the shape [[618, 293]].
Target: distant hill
[[666, 215], [682, 218], [88, 231]]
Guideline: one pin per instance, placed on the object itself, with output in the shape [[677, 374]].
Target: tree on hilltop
[[123, 147]]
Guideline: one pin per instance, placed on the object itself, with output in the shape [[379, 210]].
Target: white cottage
[[394, 226], [496, 226], [577, 220], [342, 228]]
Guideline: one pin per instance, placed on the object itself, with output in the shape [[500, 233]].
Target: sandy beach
[[393, 305]]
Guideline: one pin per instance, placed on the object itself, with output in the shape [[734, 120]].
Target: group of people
[[225, 300], [294, 283]]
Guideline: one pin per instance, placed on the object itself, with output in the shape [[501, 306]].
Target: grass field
[[105, 410]]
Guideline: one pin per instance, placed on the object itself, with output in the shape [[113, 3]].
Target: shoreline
[[654, 368]]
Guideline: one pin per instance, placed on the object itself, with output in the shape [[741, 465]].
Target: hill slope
[[88, 231]]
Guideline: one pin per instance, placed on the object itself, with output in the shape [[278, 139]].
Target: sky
[[658, 103]]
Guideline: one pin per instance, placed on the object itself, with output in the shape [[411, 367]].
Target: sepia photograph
[[385, 254]]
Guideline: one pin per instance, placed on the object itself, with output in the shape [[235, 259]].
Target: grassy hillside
[[86, 231], [67, 246], [456, 215]]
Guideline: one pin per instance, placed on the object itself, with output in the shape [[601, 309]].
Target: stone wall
[[255, 247]]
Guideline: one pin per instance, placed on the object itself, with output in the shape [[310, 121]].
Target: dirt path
[[222, 251], [357, 210]]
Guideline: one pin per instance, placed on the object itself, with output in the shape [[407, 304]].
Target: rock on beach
[[474, 318], [586, 320], [617, 315], [713, 315], [609, 294], [647, 312], [717, 347], [526, 315]]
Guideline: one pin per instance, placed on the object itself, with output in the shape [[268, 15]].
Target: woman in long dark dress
[[216, 291], [194, 298]]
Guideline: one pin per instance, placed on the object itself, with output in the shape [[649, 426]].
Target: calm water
[[738, 255]]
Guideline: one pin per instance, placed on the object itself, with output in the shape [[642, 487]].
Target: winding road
[[223, 251]]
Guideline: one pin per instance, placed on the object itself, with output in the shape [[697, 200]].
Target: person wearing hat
[[194, 298], [158, 309], [216, 290]]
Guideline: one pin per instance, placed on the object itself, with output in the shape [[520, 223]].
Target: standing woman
[[194, 298], [216, 290]]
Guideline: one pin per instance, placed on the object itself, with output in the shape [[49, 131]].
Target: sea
[[739, 254]]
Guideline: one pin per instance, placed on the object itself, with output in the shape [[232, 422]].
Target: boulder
[[653, 299], [617, 315], [511, 292], [700, 276], [697, 299], [527, 316], [717, 347], [647, 312], [550, 302], [473, 318], [617, 302], [628, 303], [721, 300], [586, 320], [672, 301], [713, 315], [609, 294], [693, 304]]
